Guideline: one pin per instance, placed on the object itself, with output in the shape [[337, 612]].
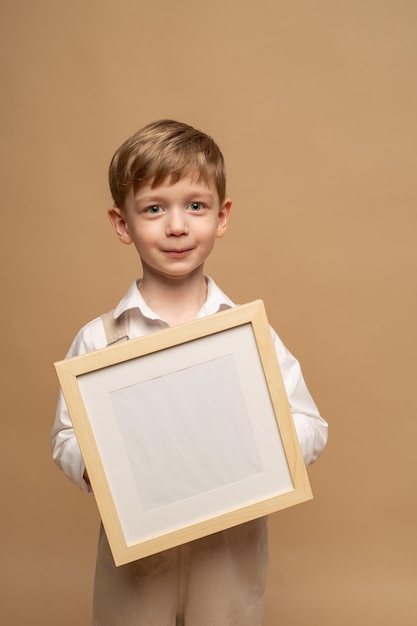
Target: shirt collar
[[216, 301]]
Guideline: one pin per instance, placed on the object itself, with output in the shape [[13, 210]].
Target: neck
[[176, 301]]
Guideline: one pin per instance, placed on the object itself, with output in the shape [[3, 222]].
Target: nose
[[177, 223]]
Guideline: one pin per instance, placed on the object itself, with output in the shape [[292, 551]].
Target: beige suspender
[[115, 329]]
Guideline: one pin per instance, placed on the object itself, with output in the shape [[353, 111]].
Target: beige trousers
[[215, 581]]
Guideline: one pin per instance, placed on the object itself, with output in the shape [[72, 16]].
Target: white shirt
[[311, 428]]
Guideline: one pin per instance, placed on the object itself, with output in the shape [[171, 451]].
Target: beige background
[[314, 105]]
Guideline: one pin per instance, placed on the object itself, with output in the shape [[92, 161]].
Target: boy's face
[[173, 226]]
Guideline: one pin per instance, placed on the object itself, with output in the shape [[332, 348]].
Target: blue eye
[[153, 210], [196, 206]]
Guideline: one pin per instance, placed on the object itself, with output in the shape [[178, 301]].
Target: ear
[[224, 215], [119, 224]]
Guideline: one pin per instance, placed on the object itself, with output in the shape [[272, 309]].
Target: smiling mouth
[[178, 253]]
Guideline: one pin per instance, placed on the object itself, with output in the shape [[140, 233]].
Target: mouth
[[178, 254]]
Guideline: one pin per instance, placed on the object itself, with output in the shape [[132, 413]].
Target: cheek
[[144, 240]]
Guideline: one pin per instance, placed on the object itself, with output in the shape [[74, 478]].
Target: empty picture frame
[[185, 432]]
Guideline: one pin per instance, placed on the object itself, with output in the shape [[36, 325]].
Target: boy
[[169, 192]]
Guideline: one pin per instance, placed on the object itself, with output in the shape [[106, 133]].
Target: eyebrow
[[155, 196]]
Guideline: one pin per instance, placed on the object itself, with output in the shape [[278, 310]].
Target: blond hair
[[163, 150]]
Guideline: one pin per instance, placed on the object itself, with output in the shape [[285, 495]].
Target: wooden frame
[[185, 432]]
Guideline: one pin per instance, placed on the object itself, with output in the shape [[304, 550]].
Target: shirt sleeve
[[310, 427], [66, 452]]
